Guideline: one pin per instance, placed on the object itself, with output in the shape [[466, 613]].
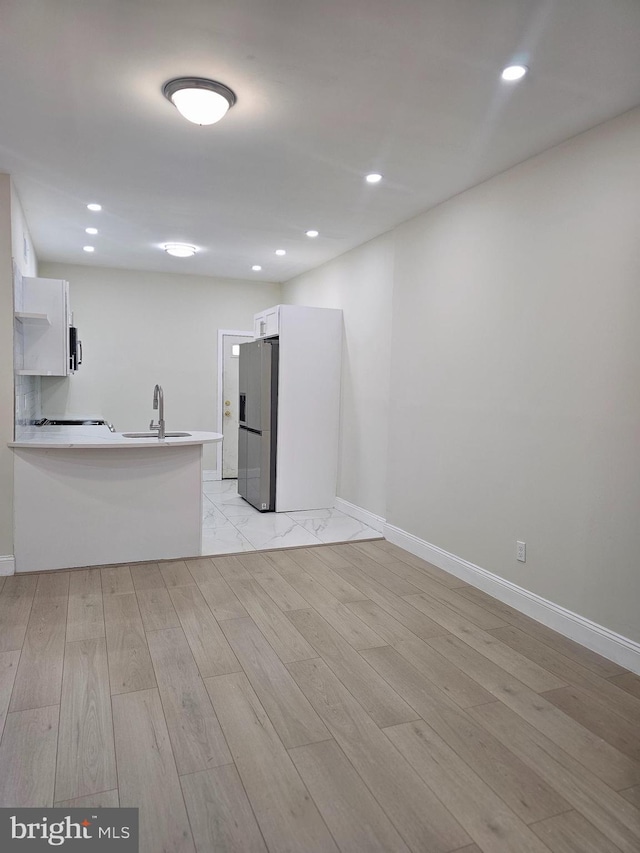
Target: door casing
[[217, 474]]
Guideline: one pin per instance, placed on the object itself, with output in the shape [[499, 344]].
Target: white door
[[230, 356]]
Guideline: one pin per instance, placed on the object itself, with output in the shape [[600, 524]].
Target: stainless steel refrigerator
[[258, 418]]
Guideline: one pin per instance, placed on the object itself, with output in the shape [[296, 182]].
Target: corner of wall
[[6, 369]]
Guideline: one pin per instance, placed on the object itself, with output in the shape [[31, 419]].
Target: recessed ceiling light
[[95, 207], [312, 233], [89, 248], [91, 230], [514, 72], [199, 100], [373, 178], [179, 250], [281, 251], [256, 267]]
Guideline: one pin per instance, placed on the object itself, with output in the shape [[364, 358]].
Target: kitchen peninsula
[[86, 496]]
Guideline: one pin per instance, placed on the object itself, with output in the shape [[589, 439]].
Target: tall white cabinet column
[[308, 404]]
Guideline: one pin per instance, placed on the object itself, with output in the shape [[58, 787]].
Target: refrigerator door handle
[[242, 416]]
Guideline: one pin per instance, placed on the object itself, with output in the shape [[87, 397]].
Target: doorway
[[228, 357]]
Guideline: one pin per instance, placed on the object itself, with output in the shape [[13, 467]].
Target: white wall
[[512, 407], [27, 388], [360, 282], [516, 348], [141, 328], [6, 371], [15, 243]]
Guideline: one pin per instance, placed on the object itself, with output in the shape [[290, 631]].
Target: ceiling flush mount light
[[179, 250], [256, 267], [91, 230], [89, 248], [281, 252], [199, 100], [514, 72], [312, 233], [94, 207], [373, 178]]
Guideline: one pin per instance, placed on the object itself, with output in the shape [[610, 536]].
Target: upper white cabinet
[[266, 324], [45, 320]]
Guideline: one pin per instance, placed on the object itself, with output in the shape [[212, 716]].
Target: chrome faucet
[[158, 403]]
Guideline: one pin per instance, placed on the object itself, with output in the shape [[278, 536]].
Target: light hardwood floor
[[347, 698]]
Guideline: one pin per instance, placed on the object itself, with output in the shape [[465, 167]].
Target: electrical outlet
[[521, 551]]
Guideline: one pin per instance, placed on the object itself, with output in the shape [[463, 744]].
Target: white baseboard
[[363, 515], [7, 565], [610, 645], [211, 475]]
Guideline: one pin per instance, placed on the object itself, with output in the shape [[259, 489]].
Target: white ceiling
[[326, 93]]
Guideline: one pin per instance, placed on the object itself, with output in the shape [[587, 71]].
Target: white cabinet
[[266, 324], [308, 413], [309, 373], [45, 320]]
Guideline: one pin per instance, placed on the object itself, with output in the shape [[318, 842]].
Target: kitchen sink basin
[[155, 434]]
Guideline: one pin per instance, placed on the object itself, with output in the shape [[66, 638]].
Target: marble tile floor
[[231, 525]]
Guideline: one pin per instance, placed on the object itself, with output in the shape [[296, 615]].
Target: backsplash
[[28, 399]]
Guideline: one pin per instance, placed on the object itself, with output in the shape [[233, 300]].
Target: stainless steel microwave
[[75, 349]]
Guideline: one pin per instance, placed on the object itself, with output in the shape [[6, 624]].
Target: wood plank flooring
[[340, 699]]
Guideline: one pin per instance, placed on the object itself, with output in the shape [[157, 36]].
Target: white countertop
[[99, 437]]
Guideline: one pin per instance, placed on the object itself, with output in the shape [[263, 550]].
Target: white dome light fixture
[[199, 100], [256, 267], [179, 250], [514, 72], [373, 178], [312, 233]]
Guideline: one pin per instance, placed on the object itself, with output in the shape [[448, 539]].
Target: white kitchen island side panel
[[94, 507]]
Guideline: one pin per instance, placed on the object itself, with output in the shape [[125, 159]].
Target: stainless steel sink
[[155, 434]]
